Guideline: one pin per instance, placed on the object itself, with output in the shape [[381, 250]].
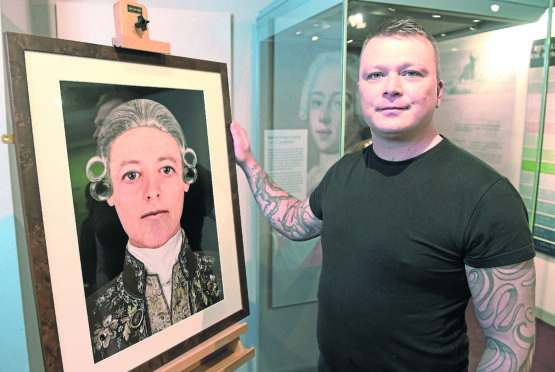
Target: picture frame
[[54, 86]]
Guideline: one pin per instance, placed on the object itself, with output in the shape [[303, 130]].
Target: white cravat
[[160, 261]]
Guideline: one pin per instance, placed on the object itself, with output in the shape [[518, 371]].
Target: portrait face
[[325, 109], [398, 87], [148, 187]]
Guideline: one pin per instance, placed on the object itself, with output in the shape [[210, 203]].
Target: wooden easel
[[132, 31], [223, 352]]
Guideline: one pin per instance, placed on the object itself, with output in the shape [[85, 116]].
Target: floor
[[544, 358]]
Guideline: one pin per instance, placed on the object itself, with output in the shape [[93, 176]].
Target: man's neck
[[398, 150]]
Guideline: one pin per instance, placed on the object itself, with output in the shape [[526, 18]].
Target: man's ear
[[439, 92], [186, 186], [110, 200]]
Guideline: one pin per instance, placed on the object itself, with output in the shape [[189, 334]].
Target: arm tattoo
[[504, 302], [285, 213]]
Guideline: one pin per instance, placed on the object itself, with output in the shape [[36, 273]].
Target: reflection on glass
[[321, 105]]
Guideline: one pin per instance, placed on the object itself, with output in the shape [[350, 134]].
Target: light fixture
[[392, 10], [349, 41], [315, 38], [494, 8], [299, 32], [436, 15], [357, 20], [476, 21]]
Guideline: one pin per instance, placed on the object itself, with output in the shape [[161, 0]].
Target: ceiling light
[[349, 41], [436, 15], [494, 8], [315, 38], [299, 32], [392, 10], [476, 21], [357, 20]]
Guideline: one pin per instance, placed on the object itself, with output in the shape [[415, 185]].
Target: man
[[411, 227]]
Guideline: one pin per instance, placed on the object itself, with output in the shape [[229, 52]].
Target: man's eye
[[167, 170], [374, 75], [412, 73], [131, 176]]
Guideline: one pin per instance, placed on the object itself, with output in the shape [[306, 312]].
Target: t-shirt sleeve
[[498, 233], [316, 198]]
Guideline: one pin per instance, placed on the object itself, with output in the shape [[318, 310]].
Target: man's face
[[146, 173], [398, 87], [325, 109]]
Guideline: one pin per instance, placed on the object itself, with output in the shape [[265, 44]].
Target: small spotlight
[[436, 15], [476, 21], [315, 38], [349, 41], [494, 8], [299, 32], [392, 10]]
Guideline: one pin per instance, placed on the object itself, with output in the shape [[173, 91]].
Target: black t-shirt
[[395, 239]]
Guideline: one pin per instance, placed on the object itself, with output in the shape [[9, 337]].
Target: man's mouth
[[392, 108], [154, 213]]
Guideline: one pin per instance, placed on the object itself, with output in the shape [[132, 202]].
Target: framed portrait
[[100, 303]]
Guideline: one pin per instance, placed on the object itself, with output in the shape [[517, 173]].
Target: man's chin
[[151, 242]]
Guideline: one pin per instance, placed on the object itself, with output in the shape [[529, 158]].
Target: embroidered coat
[[132, 306]]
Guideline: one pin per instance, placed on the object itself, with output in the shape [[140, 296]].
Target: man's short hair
[[404, 27]]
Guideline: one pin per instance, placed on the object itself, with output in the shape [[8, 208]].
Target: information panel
[[544, 226]]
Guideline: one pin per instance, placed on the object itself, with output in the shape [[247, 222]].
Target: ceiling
[[442, 24]]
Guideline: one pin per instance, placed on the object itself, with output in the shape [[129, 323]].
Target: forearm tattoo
[[284, 212], [504, 303]]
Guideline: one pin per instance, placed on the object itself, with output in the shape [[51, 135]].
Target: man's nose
[[393, 86], [152, 187]]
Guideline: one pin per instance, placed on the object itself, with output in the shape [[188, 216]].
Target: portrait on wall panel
[[334, 125]]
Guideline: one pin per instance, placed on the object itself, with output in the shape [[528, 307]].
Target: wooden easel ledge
[[222, 352]]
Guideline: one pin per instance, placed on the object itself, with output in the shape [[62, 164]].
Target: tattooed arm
[[504, 300], [285, 213]]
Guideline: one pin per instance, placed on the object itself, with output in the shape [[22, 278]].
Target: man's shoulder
[[467, 163]]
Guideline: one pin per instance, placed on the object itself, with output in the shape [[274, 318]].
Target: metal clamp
[[7, 138]]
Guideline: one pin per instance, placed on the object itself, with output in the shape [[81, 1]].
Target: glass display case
[[307, 115]]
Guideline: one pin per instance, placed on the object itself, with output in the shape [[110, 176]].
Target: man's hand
[[241, 145], [285, 213]]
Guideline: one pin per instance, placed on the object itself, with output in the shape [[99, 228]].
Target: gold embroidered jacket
[[132, 306]]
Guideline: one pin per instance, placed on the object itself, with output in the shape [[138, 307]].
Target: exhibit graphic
[[544, 224]]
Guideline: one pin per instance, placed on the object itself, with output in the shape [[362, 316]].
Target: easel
[[224, 351], [132, 31]]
